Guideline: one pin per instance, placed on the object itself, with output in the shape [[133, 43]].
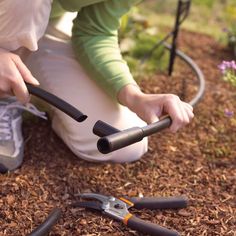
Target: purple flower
[[228, 113], [222, 67], [227, 65], [233, 65], [228, 70]]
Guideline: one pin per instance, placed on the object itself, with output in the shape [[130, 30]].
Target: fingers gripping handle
[[149, 228], [57, 102]]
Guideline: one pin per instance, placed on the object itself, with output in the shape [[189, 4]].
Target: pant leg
[[58, 72]]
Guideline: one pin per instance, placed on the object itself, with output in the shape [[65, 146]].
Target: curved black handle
[[159, 203], [57, 102], [149, 228], [102, 129], [46, 226], [127, 137]]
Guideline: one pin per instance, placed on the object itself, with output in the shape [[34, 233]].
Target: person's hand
[[150, 107], [13, 73]]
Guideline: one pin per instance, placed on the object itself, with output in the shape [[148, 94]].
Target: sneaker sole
[[10, 163]]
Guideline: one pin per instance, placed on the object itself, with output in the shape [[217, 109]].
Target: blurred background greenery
[[152, 19], [207, 16]]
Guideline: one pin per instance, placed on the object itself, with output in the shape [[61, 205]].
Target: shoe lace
[[5, 117]]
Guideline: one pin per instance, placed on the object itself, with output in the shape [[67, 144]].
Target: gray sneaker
[[11, 140]]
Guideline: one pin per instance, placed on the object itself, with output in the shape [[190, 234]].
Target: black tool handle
[[159, 203], [130, 136], [119, 140], [102, 129], [46, 226], [149, 228], [57, 102]]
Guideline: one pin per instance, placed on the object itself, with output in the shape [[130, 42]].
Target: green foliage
[[231, 26], [144, 43], [206, 16], [230, 77], [207, 3], [123, 25], [137, 39], [158, 59]]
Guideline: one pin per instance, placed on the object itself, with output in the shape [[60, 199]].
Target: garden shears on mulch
[[118, 209]]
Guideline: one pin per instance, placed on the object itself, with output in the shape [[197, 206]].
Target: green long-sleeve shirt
[[95, 39]]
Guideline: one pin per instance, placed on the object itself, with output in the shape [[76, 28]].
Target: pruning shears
[[118, 209]]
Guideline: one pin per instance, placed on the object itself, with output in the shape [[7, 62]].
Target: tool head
[[96, 196], [114, 207]]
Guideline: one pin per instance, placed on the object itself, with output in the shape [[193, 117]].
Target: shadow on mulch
[[198, 162]]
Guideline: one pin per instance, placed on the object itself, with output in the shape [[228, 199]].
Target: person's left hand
[[150, 107]]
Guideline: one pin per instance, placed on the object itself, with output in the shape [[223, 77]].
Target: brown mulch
[[198, 162]]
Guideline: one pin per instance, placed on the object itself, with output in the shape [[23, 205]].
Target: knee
[[89, 152], [85, 147], [125, 155], [83, 143], [130, 153]]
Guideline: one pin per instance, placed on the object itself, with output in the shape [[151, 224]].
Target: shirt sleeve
[[95, 41]]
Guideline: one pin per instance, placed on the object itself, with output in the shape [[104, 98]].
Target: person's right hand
[[13, 75]]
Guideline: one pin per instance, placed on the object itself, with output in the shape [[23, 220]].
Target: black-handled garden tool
[[57, 102], [44, 228], [117, 208], [112, 139]]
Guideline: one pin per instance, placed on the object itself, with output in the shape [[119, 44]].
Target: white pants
[[58, 72]]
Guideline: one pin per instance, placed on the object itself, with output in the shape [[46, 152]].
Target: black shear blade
[[89, 205]]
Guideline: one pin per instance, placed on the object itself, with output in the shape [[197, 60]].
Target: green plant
[[231, 26], [232, 39], [207, 3], [137, 39]]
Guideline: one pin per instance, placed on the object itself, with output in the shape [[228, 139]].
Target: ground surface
[[198, 162]]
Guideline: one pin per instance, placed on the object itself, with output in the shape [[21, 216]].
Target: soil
[[198, 162]]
